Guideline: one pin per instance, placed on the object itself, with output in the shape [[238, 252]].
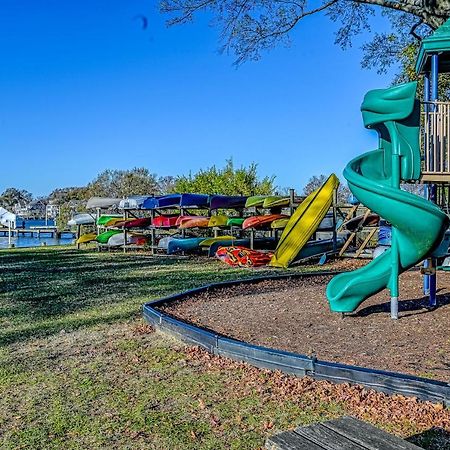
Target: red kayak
[[165, 221], [261, 221], [243, 257], [138, 223]]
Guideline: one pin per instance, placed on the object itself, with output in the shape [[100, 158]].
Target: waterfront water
[[27, 241]]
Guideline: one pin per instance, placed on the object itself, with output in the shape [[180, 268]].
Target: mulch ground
[[293, 315]]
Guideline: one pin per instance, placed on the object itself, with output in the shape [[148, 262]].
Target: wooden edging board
[[288, 362]]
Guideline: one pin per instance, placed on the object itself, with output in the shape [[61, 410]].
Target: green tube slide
[[374, 178]]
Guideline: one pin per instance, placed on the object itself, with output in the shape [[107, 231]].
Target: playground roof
[[438, 42]]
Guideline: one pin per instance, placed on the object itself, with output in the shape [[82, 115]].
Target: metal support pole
[[432, 188], [334, 220], [291, 201], [9, 234], [395, 183]]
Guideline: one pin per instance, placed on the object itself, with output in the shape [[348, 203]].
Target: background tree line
[[227, 180]]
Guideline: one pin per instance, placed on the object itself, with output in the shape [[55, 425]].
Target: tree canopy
[[227, 180], [123, 183], [12, 197], [249, 27]]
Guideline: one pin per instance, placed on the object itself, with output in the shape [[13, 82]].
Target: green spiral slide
[[418, 225]]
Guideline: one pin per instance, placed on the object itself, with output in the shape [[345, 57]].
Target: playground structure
[[374, 178]]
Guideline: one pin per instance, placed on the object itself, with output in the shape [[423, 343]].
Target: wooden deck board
[[290, 440], [346, 433], [328, 438], [367, 435]]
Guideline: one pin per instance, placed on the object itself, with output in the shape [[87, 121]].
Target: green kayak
[[103, 238], [235, 221], [255, 201], [275, 201], [104, 219]]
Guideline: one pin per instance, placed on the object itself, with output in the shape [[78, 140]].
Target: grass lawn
[[80, 369]]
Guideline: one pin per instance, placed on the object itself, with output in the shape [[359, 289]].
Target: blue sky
[[84, 88]]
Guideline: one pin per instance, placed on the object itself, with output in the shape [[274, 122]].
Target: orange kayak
[[182, 219], [195, 222], [261, 221]]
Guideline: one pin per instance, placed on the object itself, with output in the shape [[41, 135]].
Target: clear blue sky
[[84, 89]]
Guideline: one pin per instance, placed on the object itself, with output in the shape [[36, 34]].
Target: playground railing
[[436, 141]]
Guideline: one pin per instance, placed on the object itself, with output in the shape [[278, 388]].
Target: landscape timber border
[[287, 362]]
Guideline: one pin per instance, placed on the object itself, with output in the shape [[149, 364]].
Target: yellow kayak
[[210, 241], [275, 201], [115, 221], [304, 222], [279, 224], [218, 221], [85, 238]]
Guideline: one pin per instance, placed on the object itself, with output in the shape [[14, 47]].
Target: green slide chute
[[374, 178]]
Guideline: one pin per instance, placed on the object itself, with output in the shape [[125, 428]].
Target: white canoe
[[133, 202], [117, 240], [102, 202], [81, 219]]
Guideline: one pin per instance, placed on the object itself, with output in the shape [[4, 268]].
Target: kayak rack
[[288, 362]]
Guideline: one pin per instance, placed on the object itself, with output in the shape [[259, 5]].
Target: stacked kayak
[[255, 201], [165, 221], [194, 222], [218, 221], [85, 238], [261, 221], [227, 201], [279, 224], [118, 240], [209, 241], [138, 223], [235, 221], [104, 219], [183, 245], [81, 219], [275, 201], [104, 237]]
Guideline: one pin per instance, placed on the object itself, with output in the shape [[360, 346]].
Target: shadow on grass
[[47, 329], [38, 295]]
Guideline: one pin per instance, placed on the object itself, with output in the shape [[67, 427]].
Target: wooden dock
[[42, 231], [346, 433]]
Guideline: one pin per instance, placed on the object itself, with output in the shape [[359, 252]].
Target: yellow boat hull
[[279, 224], [218, 221], [303, 223], [85, 238], [209, 241]]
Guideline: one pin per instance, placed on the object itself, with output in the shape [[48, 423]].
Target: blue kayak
[[227, 201], [164, 201], [194, 200], [184, 245]]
